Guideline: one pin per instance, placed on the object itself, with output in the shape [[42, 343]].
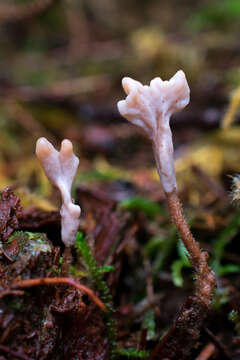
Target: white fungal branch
[[60, 168], [151, 107]]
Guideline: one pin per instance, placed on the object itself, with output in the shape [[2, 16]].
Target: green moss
[[133, 353], [220, 297], [140, 203], [96, 274], [16, 304], [149, 324], [234, 316], [30, 243]]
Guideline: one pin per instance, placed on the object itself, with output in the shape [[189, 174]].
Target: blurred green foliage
[[143, 204], [133, 353], [160, 247], [234, 316], [219, 14], [220, 297], [219, 245], [149, 324]]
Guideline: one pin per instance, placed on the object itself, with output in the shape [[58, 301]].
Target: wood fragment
[[187, 326], [207, 352]]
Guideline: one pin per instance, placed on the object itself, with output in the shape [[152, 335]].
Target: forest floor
[[138, 301]]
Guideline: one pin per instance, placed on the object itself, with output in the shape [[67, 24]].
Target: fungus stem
[[205, 278], [67, 260], [180, 222], [151, 107]]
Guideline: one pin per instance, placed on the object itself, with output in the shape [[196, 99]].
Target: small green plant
[[219, 245], [29, 244], [149, 324], [133, 353], [220, 297], [178, 265], [96, 274], [234, 316], [160, 247]]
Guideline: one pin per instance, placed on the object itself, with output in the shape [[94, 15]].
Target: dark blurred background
[[61, 65]]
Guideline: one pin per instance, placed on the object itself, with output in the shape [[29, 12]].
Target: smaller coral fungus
[[60, 168]]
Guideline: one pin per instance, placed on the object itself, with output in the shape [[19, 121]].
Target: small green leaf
[[182, 252], [106, 269], [233, 316], [177, 272], [220, 298], [149, 324], [140, 203], [223, 239], [133, 353], [228, 269]]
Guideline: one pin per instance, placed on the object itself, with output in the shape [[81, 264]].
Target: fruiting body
[[151, 107], [60, 168]]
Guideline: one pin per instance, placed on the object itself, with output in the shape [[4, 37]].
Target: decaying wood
[[184, 334]]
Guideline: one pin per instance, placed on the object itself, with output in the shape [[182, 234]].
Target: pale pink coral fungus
[[60, 168], [151, 107]]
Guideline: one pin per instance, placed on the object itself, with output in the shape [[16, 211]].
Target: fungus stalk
[[150, 107], [60, 168]]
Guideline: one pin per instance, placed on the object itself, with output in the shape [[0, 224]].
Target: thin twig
[[6, 255], [61, 280], [207, 352], [222, 348], [10, 292]]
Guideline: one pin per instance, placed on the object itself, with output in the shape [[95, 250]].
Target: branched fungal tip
[[60, 168], [151, 107]]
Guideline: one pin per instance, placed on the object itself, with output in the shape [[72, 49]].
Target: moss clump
[[30, 243], [96, 274], [31, 254]]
